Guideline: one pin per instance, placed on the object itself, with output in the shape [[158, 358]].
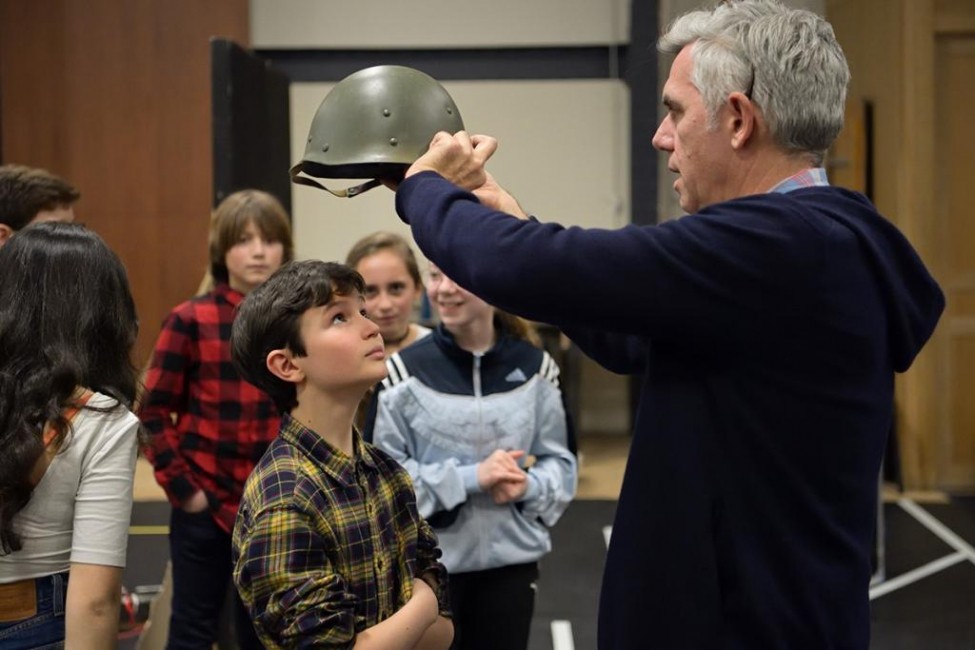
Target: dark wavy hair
[[269, 319], [67, 320], [25, 191]]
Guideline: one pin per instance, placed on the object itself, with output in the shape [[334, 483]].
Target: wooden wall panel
[[115, 96], [923, 170], [955, 140], [32, 75]]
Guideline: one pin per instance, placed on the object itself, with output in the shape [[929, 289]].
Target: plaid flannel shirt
[[812, 177], [326, 545], [208, 426]]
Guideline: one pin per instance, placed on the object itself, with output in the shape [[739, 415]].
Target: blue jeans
[[44, 630]]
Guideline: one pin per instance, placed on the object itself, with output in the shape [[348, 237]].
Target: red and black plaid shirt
[[209, 427]]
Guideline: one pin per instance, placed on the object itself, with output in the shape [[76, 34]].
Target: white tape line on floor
[[562, 636], [916, 574], [963, 551], [946, 534]]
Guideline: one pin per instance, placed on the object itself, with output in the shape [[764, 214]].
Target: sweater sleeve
[[720, 277], [624, 354]]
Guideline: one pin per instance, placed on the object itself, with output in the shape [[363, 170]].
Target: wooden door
[[954, 66]]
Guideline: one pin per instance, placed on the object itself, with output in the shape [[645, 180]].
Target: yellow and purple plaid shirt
[[326, 545]]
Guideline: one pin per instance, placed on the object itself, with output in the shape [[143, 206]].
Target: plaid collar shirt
[[327, 545], [208, 426], [812, 177]]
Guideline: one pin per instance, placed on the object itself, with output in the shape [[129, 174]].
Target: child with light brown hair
[[208, 426]]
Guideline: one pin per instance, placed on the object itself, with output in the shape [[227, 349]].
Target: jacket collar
[[446, 342]]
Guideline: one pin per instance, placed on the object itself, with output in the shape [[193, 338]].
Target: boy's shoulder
[[276, 479], [286, 477]]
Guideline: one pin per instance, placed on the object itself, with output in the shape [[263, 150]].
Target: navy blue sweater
[[767, 331]]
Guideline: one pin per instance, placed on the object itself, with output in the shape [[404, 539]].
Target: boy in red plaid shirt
[[209, 427]]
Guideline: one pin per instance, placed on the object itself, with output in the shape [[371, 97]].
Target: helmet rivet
[[325, 147], [450, 111], [393, 142], [386, 112], [309, 138]]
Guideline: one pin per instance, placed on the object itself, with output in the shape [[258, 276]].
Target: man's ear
[[6, 232], [281, 364], [743, 119]]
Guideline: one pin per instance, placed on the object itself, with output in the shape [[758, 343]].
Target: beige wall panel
[[390, 24], [562, 152]]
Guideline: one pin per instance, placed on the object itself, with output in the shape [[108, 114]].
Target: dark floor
[[936, 612]]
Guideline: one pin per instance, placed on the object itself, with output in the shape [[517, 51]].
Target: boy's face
[[343, 348], [252, 259]]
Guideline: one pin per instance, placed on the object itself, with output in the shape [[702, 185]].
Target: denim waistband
[[49, 592]]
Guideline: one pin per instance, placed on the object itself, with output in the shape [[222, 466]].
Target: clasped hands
[[500, 475]]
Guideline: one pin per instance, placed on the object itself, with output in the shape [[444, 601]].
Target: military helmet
[[374, 124]]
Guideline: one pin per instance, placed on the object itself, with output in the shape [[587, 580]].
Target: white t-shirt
[[80, 509]]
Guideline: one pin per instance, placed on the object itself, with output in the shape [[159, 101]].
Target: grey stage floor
[[932, 609]]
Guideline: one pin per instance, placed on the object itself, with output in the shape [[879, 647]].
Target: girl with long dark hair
[[67, 325]]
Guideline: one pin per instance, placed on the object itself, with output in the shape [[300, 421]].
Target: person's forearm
[[96, 629], [92, 607], [401, 631], [438, 636]]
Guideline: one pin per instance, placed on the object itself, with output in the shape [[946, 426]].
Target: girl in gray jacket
[[475, 414]]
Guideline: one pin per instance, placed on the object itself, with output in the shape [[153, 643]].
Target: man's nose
[[663, 139]]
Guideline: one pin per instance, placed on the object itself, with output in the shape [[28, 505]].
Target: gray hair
[[786, 60]]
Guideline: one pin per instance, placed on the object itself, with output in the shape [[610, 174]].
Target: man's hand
[[494, 196], [500, 466], [459, 158]]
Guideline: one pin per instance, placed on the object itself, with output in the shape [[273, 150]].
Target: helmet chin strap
[[347, 193]]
